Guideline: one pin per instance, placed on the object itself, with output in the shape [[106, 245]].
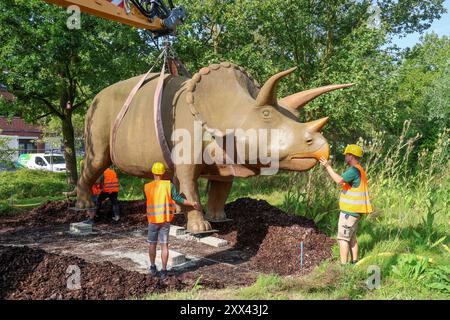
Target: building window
[[27, 146]]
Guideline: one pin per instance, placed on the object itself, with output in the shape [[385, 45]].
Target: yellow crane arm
[[107, 10]]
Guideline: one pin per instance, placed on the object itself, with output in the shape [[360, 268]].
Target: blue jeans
[[158, 230]]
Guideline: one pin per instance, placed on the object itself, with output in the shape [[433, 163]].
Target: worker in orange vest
[[108, 185], [354, 201], [96, 190], [161, 197], [110, 189]]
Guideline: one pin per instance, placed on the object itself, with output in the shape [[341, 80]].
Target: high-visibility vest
[[160, 205], [110, 181], [96, 189], [356, 199]]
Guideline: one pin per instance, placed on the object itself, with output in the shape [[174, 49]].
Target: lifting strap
[[157, 118], [123, 111], [173, 65]]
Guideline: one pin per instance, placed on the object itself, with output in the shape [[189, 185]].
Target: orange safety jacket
[[160, 205], [96, 189], [356, 199], [110, 181]]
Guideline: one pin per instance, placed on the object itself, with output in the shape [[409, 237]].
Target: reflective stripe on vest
[[110, 181], [160, 205], [356, 199]]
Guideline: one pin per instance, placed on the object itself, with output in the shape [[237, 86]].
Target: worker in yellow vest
[[161, 197], [354, 201]]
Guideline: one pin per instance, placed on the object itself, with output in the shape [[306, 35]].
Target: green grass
[[25, 184], [25, 189]]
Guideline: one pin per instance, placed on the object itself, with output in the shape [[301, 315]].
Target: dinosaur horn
[[299, 99], [268, 93], [317, 125]]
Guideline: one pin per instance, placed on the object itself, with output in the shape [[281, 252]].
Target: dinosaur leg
[[217, 196], [94, 165], [188, 175]]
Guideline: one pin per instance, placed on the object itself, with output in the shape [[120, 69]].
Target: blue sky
[[441, 27]]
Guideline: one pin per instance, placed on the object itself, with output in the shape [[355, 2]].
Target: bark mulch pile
[[266, 239], [36, 274], [273, 237]]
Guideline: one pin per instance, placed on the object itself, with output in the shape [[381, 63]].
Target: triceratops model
[[221, 98]]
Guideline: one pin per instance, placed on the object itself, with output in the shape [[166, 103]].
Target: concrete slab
[[220, 221], [213, 241], [78, 209], [139, 258], [80, 228], [176, 231], [138, 233], [142, 261], [202, 232], [188, 237], [175, 258]]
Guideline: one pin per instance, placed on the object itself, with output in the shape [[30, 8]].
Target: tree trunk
[[215, 32], [69, 149]]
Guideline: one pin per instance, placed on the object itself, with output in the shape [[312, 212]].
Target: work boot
[[152, 271], [163, 274], [116, 216]]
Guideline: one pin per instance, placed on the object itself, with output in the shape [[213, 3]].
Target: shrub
[[26, 183]]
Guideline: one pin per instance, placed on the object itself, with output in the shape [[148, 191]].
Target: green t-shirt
[[175, 195], [353, 178]]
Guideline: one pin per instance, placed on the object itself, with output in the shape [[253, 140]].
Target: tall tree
[[54, 71], [330, 41], [424, 86]]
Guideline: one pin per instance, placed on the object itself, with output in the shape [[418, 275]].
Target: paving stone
[[80, 228], [175, 258], [176, 231], [213, 241]]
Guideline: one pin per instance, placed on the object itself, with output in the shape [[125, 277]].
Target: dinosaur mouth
[[305, 160], [323, 151]]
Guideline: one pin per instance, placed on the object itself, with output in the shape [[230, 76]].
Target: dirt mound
[[272, 237], [49, 213], [35, 274], [59, 212]]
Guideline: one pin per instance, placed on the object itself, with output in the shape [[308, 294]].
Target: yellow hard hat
[[158, 168], [354, 150]]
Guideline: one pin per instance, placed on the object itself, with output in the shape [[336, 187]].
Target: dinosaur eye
[[266, 113], [309, 139]]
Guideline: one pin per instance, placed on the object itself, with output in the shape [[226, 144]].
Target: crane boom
[[133, 17]]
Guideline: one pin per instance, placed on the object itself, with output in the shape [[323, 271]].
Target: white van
[[42, 161]]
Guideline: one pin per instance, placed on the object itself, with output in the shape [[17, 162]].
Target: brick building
[[23, 137]]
